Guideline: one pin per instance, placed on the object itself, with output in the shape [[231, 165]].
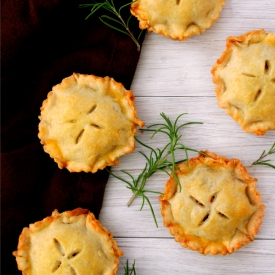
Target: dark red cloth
[[43, 42]]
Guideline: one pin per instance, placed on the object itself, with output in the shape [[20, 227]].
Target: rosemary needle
[[128, 270], [117, 23], [158, 160], [261, 161]]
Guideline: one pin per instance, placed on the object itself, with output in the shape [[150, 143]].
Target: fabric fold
[[42, 43]]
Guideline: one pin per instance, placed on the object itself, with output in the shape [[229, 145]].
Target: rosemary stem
[[128, 30], [157, 160], [132, 198], [141, 186], [145, 177], [118, 24], [264, 155]]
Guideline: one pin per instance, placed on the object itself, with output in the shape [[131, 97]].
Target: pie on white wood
[[177, 19], [216, 208], [245, 80]]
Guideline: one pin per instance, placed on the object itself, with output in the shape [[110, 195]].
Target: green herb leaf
[[128, 270], [119, 25], [260, 160], [158, 160]]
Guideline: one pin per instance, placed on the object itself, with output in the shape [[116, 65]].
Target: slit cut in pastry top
[[88, 122], [217, 198], [244, 77], [71, 243]]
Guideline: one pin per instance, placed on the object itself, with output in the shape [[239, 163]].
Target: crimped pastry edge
[[51, 147], [24, 243], [144, 23], [253, 36], [199, 244]]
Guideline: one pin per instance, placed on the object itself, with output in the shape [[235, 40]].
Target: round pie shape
[[245, 80], [88, 122], [73, 242], [217, 209], [177, 19]]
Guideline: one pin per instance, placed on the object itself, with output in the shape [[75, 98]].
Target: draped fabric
[[43, 42]]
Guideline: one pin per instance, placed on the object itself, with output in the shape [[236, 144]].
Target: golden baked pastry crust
[[88, 122], [245, 80], [73, 242], [218, 208], [177, 19]]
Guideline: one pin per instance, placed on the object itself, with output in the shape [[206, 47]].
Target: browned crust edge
[[51, 147], [144, 23], [24, 242], [247, 38], [198, 244]]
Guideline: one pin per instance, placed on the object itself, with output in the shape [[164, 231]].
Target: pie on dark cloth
[[42, 43]]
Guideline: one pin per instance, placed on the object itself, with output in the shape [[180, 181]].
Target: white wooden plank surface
[[174, 77], [176, 260]]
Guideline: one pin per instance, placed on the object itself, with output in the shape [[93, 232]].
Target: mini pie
[[217, 210], [88, 122], [177, 19], [71, 243], [245, 80]]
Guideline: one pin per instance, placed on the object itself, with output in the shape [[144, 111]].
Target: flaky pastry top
[[73, 242], [217, 209], [245, 80], [88, 122], [177, 19]]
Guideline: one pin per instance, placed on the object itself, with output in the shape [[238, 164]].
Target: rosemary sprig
[[260, 160], [159, 160], [138, 190], [117, 24], [128, 270]]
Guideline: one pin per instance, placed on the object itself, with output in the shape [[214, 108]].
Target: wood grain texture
[[151, 258], [174, 77]]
